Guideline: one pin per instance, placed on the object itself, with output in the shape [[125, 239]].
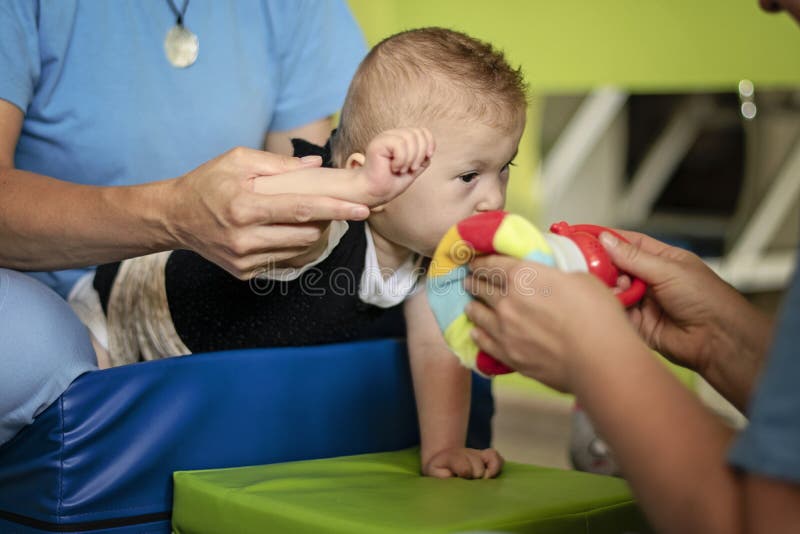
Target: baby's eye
[[505, 171], [467, 178]]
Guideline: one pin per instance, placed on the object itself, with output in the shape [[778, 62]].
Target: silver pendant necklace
[[180, 45]]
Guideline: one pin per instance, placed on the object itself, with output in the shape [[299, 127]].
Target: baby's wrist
[[427, 454]]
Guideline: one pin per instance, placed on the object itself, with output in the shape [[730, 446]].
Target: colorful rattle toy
[[569, 248]]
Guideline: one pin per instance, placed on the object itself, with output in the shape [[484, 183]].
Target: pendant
[[181, 47]]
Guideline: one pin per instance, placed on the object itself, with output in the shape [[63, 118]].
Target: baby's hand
[[464, 463], [394, 159]]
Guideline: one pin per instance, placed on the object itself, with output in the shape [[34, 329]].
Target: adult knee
[[44, 347]]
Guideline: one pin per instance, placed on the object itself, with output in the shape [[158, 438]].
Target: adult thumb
[[635, 261]]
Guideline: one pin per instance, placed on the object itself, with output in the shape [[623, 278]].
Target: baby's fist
[[464, 463], [395, 158]]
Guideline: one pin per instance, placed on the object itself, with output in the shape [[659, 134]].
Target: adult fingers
[[252, 265], [492, 270], [494, 263], [484, 289], [644, 241], [261, 163], [293, 208], [500, 270], [510, 275], [245, 244], [636, 261], [623, 283], [483, 316], [634, 317], [266, 238], [489, 345]]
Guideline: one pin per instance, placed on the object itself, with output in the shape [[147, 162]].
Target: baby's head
[[473, 102]]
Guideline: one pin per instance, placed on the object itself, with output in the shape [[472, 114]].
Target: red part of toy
[[489, 366], [479, 230], [597, 259]]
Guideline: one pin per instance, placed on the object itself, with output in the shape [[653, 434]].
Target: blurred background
[[680, 119]]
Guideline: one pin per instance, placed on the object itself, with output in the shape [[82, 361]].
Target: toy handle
[[633, 294]]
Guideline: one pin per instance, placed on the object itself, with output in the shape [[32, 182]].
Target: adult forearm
[[671, 450], [737, 352], [51, 224]]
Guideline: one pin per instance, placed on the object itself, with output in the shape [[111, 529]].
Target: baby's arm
[[442, 390], [393, 160]]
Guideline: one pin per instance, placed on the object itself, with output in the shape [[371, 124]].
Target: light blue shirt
[[770, 445], [104, 107]]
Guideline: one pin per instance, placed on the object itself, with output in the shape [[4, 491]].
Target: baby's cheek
[[428, 248], [435, 236]]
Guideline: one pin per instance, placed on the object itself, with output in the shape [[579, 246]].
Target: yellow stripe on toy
[[485, 233], [458, 339], [517, 237], [450, 253]]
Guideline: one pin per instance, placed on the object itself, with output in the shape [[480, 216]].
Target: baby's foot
[[393, 160]]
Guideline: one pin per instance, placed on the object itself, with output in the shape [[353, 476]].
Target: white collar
[[386, 292]]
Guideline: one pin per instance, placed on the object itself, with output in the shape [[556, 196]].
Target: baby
[[430, 126]]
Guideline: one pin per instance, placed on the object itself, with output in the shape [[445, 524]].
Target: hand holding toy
[[565, 247]]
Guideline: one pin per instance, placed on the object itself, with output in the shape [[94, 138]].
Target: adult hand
[[691, 316], [540, 321], [216, 213]]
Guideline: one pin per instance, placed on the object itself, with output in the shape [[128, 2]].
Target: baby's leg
[[392, 162]]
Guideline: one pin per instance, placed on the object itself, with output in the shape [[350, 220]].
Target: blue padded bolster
[[106, 450]]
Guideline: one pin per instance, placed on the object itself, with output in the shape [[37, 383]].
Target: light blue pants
[[43, 348]]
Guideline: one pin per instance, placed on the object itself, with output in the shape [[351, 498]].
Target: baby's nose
[[493, 200]]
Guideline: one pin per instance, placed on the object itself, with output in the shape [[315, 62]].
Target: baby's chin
[[424, 245], [417, 244], [426, 250]]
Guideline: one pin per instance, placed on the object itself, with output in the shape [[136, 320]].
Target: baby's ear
[[355, 160]]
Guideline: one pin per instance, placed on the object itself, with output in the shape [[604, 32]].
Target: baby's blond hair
[[420, 75]]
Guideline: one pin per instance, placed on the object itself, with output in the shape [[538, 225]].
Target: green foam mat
[[384, 493]]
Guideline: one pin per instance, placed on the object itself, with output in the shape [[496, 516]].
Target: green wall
[[643, 45]]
